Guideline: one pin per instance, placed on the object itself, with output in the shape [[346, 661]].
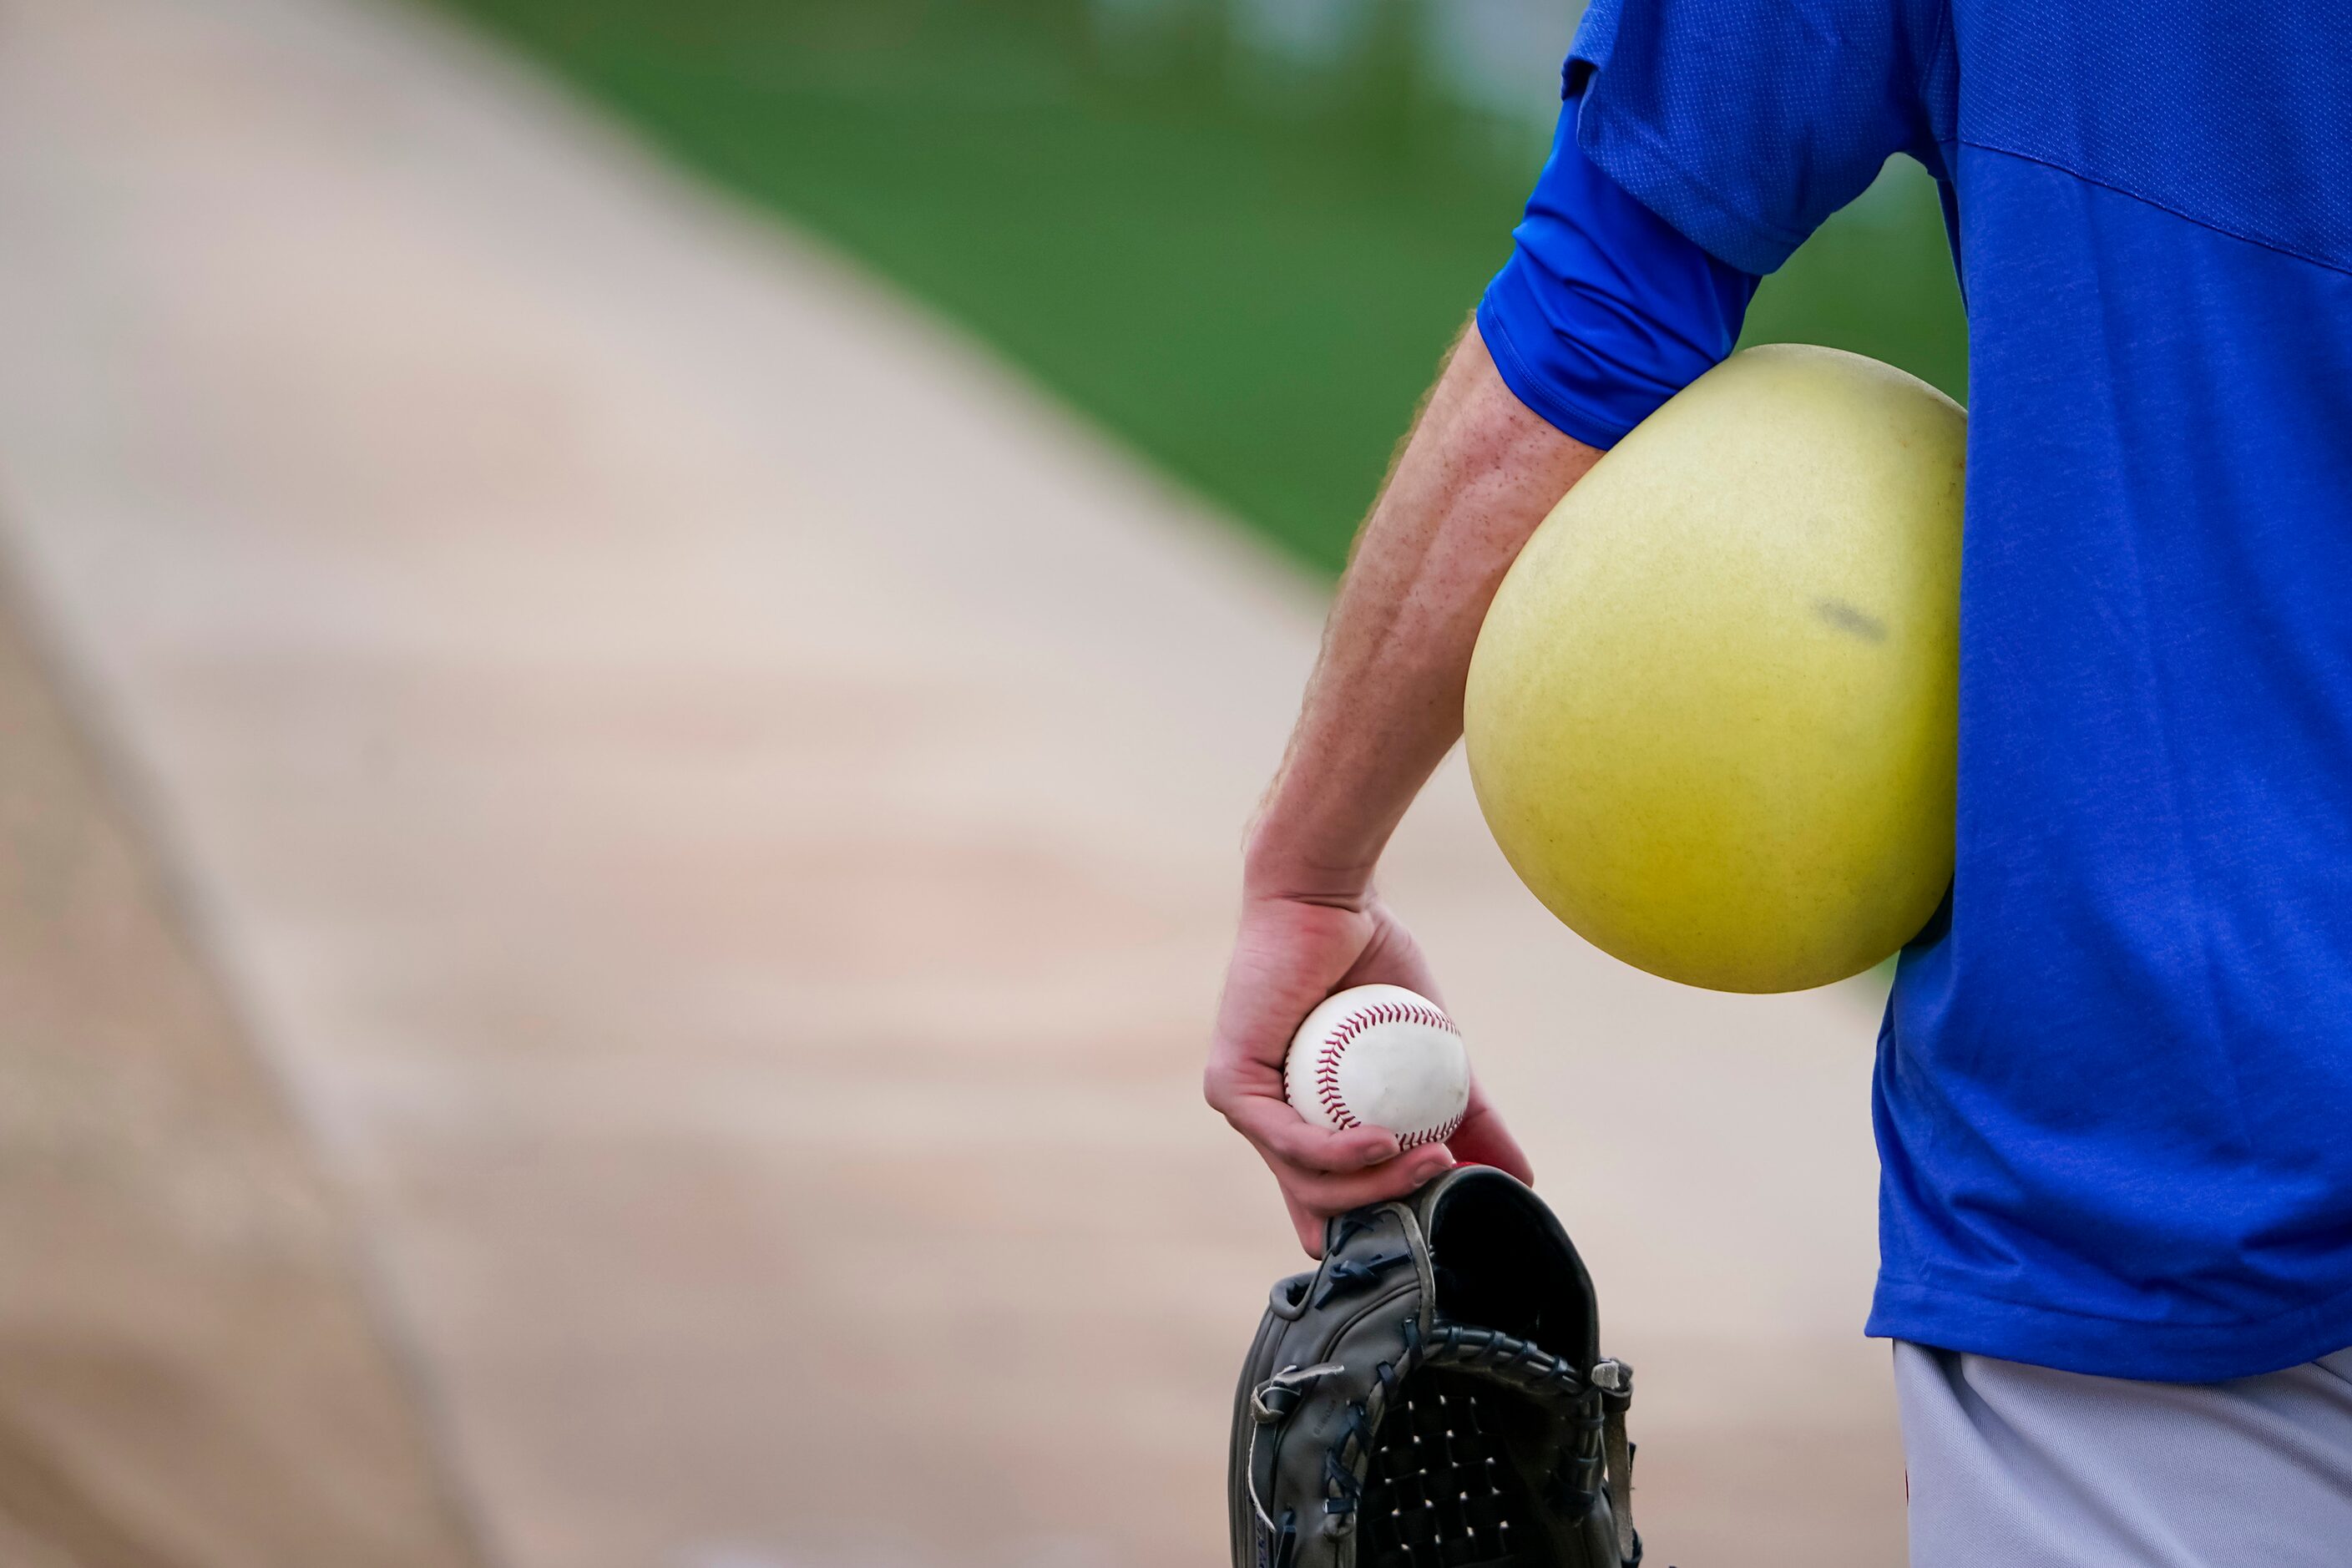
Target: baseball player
[[2114, 1087]]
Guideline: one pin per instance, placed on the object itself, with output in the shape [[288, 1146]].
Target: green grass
[[1251, 284]]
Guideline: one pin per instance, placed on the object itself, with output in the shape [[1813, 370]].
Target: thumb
[[1307, 1224]]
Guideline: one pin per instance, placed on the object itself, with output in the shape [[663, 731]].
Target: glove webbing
[[1519, 1364], [1530, 1369]]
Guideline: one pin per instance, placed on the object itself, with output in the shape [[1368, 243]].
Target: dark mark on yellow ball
[[1846, 619]]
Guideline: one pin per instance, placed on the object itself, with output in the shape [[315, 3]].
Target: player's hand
[[1291, 953]]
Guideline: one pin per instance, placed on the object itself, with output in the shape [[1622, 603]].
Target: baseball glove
[[1433, 1396]]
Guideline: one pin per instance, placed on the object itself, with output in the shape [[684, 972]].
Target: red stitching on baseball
[[1437, 1134], [1335, 1046]]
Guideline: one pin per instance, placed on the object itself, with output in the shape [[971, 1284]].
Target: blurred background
[[1237, 234], [636, 638]]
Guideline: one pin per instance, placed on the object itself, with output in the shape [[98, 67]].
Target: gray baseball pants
[[2026, 1468]]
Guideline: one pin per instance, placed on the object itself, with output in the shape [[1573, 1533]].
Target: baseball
[[1380, 1056]]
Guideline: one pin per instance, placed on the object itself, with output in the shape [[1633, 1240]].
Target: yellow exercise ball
[[1712, 715]]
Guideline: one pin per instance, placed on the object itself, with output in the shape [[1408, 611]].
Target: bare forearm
[[1478, 474]]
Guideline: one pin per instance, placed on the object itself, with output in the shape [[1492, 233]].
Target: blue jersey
[[2113, 1097]]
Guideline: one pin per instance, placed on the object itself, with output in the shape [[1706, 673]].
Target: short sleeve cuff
[[1511, 310], [1603, 311]]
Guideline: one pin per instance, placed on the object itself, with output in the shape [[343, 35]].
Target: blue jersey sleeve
[[1745, 123], [1604, 311]]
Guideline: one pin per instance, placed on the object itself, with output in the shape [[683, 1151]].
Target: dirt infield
[[723, 807], [189, 1376]]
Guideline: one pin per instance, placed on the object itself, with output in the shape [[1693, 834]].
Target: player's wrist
[[1299, 849], [1274, 869]]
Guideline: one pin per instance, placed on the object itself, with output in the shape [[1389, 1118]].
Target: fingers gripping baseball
[[1289, 956]]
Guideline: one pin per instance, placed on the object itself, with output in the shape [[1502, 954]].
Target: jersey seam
[[1925, 86], [1785, 240], [2274, 246]]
